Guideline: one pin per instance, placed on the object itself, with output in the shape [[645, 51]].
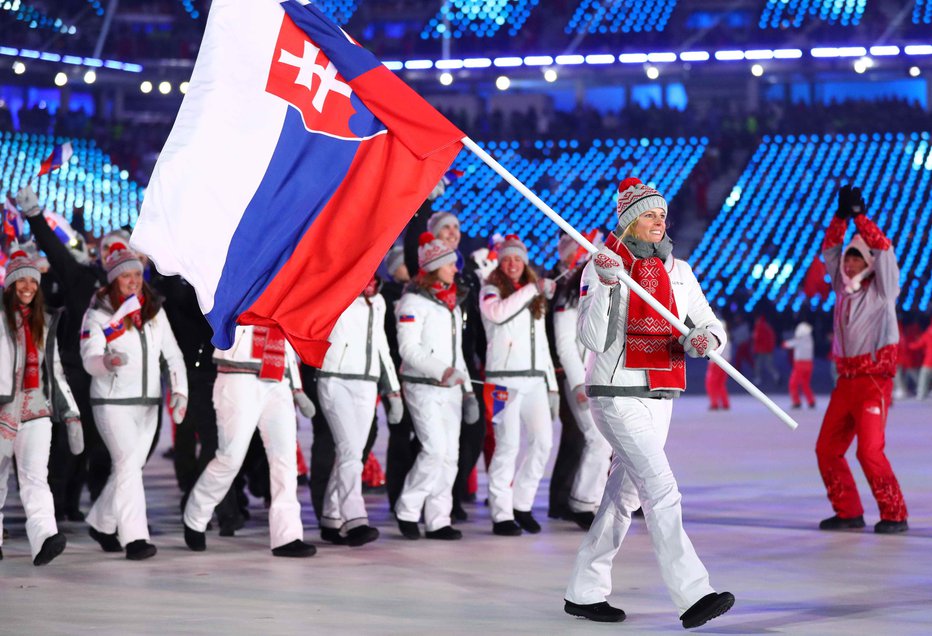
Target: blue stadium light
[[787, 54], [113, 64], [392, 65], [93, 61], [824, 51], [632, 58], [879, 51], [72, 59], [918, 49], [507, 62], [851, 51], [538, 60], [565, 60], [50, 57], [418, 65], [661, 57], [448, 65], [600, 58], [6, 50], [29, 54], [758, 54], [729, 56], [477, 62], [694, 56], [132, 68]]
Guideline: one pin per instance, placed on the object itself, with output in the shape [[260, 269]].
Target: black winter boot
[[506, 528], [527, 521], [842, 523], [295, 549], [446, 533], [599, 612], [196, 541], [51, 548], [708, 607], [139, 550]]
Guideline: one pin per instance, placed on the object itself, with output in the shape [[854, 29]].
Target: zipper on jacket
[[145, 361], [368, 342], [453, 336], [342, 355], [533, 342]]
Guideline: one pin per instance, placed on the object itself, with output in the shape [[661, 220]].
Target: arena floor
[[752, 500]]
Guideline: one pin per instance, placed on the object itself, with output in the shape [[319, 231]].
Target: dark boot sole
[[721, 606], [52, 547], [597, 618]]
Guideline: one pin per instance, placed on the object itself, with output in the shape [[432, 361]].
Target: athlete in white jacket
[[258, 385], [589, 483], [636, 367], [124, 337], [513, 304], [437, 389], [347, 389], [33, 392]]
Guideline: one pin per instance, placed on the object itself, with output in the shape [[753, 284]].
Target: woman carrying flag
[[124, 336], [513, 305], [33, 392], [637, 368], [437, 389]]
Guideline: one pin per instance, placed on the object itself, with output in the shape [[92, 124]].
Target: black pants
[[472, 437], [199, 426], [566, 465], [403, 448]]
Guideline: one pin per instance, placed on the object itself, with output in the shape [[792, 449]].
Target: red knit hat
[[119, 260], [636, 198]]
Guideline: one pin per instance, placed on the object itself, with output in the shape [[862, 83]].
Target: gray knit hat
[[439, 220], [636, 198], [120, 260], [394, 259], [513, 246], [20, 266]]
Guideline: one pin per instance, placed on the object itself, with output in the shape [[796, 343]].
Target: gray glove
[[27, 202], [453, 377], [179, 407], [304, 404], [698, 342], [607, 265], [579, 394], [75, 434], [554, 404], [115, 359], [546, 287], [396, 408], [470, 409]]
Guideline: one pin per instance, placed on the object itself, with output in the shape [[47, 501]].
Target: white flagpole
[[627, 280]]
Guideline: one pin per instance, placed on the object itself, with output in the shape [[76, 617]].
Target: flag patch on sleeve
[[406, 318], [584, 290]]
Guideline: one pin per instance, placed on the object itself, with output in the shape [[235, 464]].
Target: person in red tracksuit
[[716, 380], [764, 341], [925, 374], [801, 378], [865, 277]]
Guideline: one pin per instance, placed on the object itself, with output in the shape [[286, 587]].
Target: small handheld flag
[[60, 155]]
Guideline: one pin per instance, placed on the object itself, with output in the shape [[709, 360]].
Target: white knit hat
[[636, 198], [440, 220], [120, 260], [433, 253], [394, 259], [513, 246]]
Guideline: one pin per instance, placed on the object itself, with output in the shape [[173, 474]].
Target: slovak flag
[[496, 399], [61, 153], [294, 163], [12, 221]]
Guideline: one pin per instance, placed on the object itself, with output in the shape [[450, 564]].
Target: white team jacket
[[138, 381], [430, 338], [517, 342], [570, 350], [354, 358], [52, 375], [239, 357], [601, 327]]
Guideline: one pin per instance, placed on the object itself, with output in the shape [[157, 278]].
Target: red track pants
[[801, 379], [716, 386], [858, 406]]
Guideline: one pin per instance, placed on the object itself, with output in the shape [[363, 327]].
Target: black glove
[[850, 202]]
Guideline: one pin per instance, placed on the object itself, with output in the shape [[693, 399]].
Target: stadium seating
[[109, 197], [624, 16], [340, 11], [577, 180], [780, 14], [922, 12], [771, 227], [478, 19]]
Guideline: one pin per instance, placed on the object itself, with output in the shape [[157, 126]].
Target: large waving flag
[[295, 161]]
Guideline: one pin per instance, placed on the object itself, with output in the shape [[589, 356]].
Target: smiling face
[[512, 266], [129, 283], [26, 290], [651, 226], [450, 234]]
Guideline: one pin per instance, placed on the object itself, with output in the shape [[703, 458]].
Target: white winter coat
[[139, 380], [430, 338], [517, 342], [354, 357], [239, 358], [601, 328]]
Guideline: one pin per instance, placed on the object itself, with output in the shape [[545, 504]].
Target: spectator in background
[[924, 344], [764, 341], [801, 347], [716, 380]]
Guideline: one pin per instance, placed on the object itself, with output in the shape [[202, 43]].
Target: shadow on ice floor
[[752, 498]]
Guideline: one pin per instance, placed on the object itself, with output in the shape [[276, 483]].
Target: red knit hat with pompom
[[433, 253], [636, 198]]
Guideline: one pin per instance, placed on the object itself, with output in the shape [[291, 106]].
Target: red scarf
[[31, 374], [136, 316], [268, 344], [446, 295], [652, 343]]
